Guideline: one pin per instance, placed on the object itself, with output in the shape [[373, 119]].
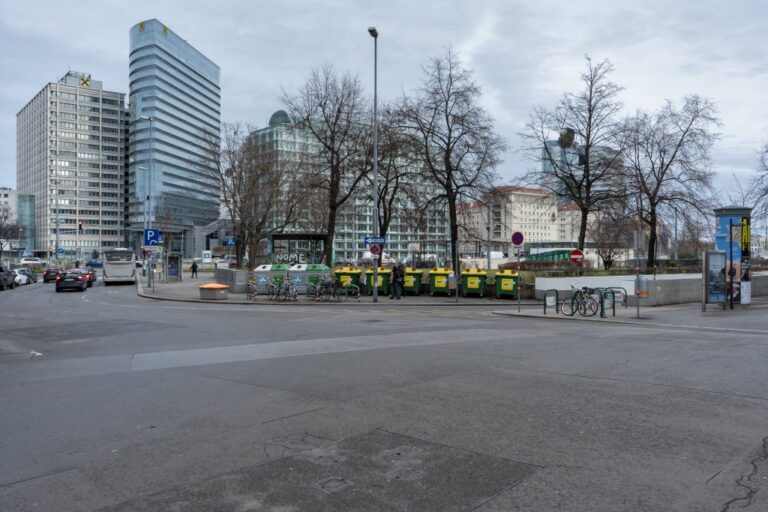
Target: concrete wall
[[665, 289]]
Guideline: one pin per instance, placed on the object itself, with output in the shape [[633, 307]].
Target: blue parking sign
[[152, 237]]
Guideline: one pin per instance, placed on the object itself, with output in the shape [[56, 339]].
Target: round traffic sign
[[60, 251], [517, 238], [577, 256], [375, 249]]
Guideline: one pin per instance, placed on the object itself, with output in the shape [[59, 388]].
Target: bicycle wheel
[[311, 292], [327, 293], [568, 307], [588, 307], [271, 292]]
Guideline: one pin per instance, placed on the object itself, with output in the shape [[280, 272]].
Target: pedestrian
[[398, 280], [77, 263], [194, 270]]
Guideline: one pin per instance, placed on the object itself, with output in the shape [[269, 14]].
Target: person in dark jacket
[[398, 280], [194, 270]]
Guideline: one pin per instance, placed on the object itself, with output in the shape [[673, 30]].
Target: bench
[[213, 291]]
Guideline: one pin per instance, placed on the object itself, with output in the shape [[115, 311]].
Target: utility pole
[[377, 258]]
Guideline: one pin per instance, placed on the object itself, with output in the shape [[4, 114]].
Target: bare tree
[[457, 146], [333, 112], [578, 145], [667, 161], [260, 193], [759, 186], [611, 230], [9, 228]]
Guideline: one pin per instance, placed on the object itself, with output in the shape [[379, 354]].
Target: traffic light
[[79, 225]]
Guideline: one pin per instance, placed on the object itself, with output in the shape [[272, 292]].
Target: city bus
[[119, 266]]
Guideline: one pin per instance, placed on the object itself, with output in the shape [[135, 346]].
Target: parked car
[[21, 278], [30, 261], [7, 278], [71, 279], [31, 275], [94, 263], [49, 276]]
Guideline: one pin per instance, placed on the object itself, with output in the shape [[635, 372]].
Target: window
[[69, 106], [113, 158], [110, 139], [88, 127], [67, 96], [111, 149], [88, 165], [109, 167], [70, 126], [70, 154], [83, 136], [109, 120], [93, 119], [109, 130], [109, 111], [89, 146], [92, 99], [67, 115], [89, 108], [88, 156], [108, 101]]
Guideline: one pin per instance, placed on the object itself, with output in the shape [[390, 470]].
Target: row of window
[[83, 165], [106, 213]]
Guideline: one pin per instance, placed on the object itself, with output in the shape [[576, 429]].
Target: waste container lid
[[299, 266], [280, 267], [506, 273], [382, 270], [262, 268], [474, 272], [413, 270], [441, 271], [317, 267]]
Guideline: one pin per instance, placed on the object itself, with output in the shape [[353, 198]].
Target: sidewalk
[[748, 319], [187, 291]]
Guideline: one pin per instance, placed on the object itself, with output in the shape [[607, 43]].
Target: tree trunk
[[330, 234], [652, 239], [454, 241], [583, 228]]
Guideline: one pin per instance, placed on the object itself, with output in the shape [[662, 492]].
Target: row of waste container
[[440, 282]]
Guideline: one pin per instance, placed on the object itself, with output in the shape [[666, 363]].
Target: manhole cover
[[406, 474], [332, 484]]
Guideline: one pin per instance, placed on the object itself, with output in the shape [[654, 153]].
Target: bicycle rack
[[557, 300], [623, 294], [603, 294]]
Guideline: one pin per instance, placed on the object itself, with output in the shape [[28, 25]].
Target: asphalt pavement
[[112, 401]]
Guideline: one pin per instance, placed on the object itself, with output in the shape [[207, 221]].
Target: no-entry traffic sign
[[517, 238], [577, 256], [375, 249]]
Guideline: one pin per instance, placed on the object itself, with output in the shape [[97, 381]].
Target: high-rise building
[[70, 155], [175, 112]]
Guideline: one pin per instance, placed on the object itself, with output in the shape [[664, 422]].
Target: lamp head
[[374, 33]]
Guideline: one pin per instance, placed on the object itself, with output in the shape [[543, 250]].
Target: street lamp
[[148, 202], [375, 35]]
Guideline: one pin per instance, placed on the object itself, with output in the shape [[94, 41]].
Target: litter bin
[[506, 283], [264, 275], [348, 275], [412, 285], [385, 274], [305, 274], [439, 281], [473, 282]]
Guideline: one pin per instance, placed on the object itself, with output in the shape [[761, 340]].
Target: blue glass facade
[[174, 101]]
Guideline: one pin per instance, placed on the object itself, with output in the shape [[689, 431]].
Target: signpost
[[375, 249], [151, 237], [577, 256], [375, 240], [639, 246], [517, 241]]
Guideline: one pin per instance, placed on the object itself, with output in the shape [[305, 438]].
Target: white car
[[21, 277], [31, 261]]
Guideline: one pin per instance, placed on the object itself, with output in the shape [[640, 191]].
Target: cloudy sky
[[523, 54]]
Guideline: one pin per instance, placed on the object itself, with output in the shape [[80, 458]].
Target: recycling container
[[305, 274], [385, 275], [506, 283], [439, 282], [348, 275], [473, 282], [412, 285]]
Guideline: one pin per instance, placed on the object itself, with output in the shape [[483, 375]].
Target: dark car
[[50, 274], [94, 263], [7, 278], [71, 279], [31, 275]]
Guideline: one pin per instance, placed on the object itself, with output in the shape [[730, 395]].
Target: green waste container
[[385, 275], [348, 275], [303, 275], [439, 281], [265, 275], [412, 285], [279, 272], [473, 282], [506, 283]]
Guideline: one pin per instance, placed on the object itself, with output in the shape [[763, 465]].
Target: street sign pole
[[517, 240]]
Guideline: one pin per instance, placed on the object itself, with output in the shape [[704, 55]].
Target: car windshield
[[119, 256]]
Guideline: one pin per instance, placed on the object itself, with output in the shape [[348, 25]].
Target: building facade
[[175, 106], [9, 200], [70, 155], [427, 236]]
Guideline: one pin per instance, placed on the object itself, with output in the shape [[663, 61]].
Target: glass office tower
[[174, 99]]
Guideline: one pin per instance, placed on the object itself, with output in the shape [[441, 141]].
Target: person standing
[[398, 280], [194, 270]]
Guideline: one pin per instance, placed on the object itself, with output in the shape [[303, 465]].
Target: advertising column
[[733, 238]]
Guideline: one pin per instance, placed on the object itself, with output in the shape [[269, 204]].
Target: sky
[[523, 54]]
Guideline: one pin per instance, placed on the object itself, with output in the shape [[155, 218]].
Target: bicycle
[[581, 300]]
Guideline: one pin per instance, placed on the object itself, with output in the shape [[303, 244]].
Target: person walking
[[194, 270], [398, 280]]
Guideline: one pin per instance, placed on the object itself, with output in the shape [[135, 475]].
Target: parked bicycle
[[328, 290], [584, 300]]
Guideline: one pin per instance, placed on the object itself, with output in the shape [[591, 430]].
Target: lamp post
[[58, 230], [148, 191], [375, 35]]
